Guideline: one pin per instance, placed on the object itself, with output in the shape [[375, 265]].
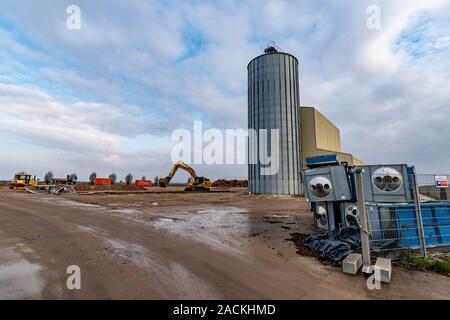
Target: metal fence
[[429, 191], [420, 226]]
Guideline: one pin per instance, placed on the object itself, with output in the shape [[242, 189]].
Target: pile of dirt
[[230, 183], [298, 239], [116, 187]]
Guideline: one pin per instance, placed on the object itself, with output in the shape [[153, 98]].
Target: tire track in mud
[[159, 264], [215, 268], [191, 285], [25, 220], [168, 281]]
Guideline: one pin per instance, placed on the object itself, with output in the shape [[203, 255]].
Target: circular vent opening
[[387, 179], [320, 187]]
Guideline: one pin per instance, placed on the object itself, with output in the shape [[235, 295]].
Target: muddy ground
[[175, 245]]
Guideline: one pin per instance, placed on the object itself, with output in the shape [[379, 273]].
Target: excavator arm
[[179, 165]]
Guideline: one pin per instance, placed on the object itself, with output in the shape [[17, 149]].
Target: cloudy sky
[[108, 96]]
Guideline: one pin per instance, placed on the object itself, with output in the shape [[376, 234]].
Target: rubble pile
[[230, 183]]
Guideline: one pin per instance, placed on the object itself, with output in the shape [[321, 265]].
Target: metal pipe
[[419, 214], [365, 244]]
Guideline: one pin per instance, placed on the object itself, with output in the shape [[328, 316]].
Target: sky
[[107, 97]]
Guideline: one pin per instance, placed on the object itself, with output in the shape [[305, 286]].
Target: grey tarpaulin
[[335, 246]]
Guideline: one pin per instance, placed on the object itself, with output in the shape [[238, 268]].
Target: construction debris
[[335, 246], [70, 179], [352, 263], [383, 267], [50, 189], [230, 183]]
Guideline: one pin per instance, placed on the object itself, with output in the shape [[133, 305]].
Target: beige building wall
[[328, 136], [320, 136]]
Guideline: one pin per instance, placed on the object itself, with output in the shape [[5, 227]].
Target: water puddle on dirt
[[19, 279], [56, 200], [219, 227]]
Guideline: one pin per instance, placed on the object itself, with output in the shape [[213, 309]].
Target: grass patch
[[427, 264]]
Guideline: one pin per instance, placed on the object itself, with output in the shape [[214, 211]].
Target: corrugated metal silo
[[273, 103]]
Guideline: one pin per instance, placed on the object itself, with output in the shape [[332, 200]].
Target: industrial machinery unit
[[327, 188], [332, 195], [328, 184], [387, 183], [273, 103], [23, 180], [196, 183], [70, 179]]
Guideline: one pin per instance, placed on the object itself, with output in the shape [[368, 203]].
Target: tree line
[[49, 178]]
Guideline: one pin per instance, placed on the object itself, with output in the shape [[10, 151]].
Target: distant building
[[320, 137]]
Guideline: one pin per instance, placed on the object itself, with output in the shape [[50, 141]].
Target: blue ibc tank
[[436, 223]]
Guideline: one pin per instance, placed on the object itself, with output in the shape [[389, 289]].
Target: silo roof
[[266, 54]]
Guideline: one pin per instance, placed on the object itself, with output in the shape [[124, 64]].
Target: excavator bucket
[[163, 182]]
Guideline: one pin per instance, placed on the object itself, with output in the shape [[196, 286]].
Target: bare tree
[[129, 179], [73, 178], [92, 177], [113, 178], [48, 177]]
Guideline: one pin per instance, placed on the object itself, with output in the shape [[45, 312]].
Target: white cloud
[[37, 116], [81, 136]]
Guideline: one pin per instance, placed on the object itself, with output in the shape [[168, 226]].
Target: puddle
[[128, 252], [220, 227], [134, 215], [86, 229], [130, 212], [63, 202], [19, 279], [136, 254], [116, 244], [278, 216]]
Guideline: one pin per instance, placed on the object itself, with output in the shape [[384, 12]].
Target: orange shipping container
[[103, 182], [143, 183]]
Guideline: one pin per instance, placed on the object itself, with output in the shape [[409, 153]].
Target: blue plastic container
[[436, 224]]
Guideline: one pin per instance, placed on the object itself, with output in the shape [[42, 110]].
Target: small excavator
[[195, 184]]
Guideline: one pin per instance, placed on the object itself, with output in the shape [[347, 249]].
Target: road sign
[[441, 181]]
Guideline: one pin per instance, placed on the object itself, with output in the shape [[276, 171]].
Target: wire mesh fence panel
[[393, 231], [399, 228]]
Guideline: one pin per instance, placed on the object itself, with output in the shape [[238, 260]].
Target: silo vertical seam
[[285, 146], [294, 153], [280, 173], [288, 98]]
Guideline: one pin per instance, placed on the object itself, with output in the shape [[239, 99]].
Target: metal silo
[[273, 103]]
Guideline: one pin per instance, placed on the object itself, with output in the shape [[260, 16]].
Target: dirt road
[[194, 246]]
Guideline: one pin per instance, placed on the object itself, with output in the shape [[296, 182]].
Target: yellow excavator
[[195, 184], [23, 180]]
